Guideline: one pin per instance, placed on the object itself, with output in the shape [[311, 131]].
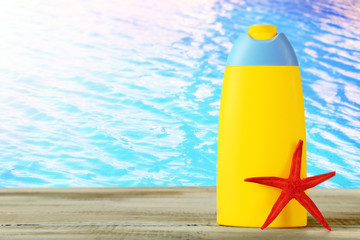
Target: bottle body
[[261, 121]]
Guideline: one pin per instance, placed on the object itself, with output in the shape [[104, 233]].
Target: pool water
[[126, 93]]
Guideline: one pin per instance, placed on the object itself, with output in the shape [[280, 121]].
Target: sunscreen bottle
[[261, 121]]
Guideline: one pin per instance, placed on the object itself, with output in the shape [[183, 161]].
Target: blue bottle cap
[[262, 46]]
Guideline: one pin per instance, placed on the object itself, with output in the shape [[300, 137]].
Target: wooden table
[[155, 213]]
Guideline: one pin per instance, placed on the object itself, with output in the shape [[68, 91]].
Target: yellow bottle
[[261, 121]]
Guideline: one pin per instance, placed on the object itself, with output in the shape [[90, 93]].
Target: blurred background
[[126, 93]]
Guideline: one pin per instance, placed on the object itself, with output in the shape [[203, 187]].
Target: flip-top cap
[[262, 46]]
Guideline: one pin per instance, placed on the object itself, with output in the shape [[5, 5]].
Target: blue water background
[[126, 93]]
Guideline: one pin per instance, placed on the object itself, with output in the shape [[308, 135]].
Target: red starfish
[[294, 187]]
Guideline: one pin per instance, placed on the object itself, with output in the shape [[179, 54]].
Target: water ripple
[[124, 93]]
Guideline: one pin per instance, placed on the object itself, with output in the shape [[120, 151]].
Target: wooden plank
[[154, 213]]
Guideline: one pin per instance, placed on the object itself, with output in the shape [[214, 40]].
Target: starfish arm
[[315, 180], [269, 181], [312, 209], [296, 162], [277, 208]]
